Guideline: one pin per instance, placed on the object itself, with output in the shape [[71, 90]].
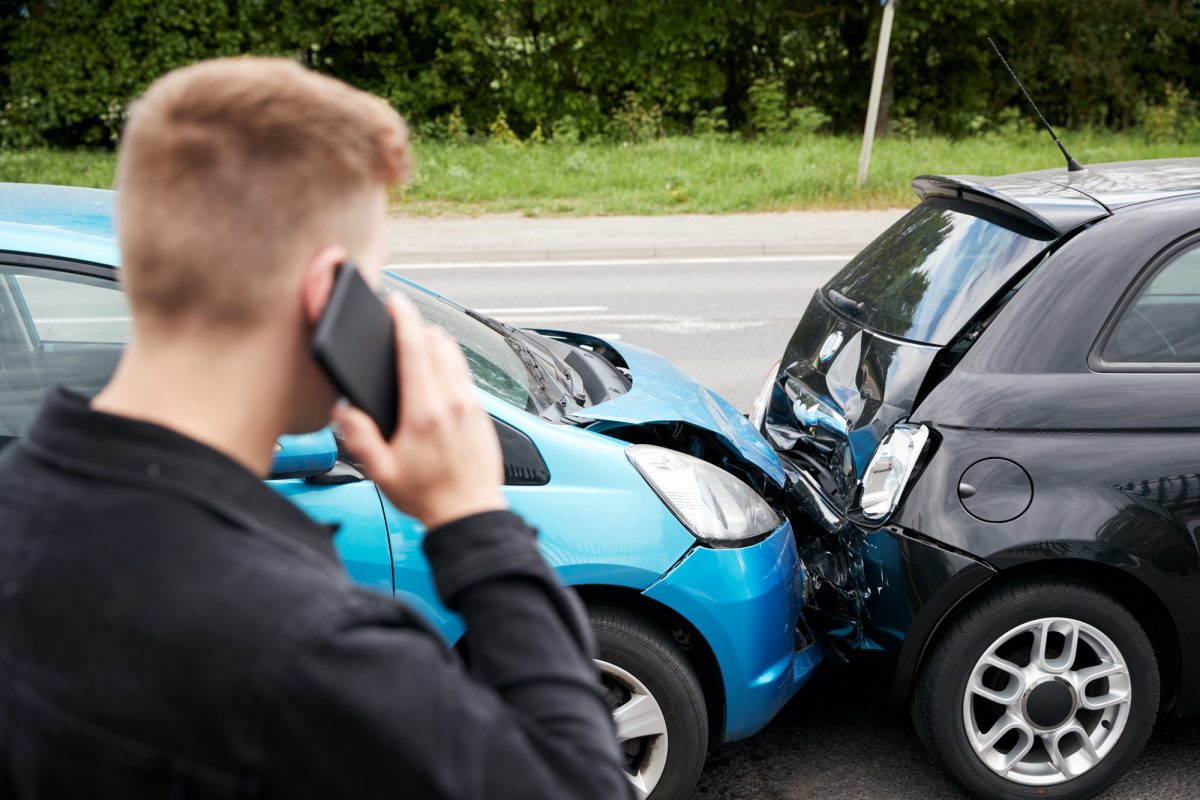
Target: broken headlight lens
[[758, 411], [889, 470], [715, 506]]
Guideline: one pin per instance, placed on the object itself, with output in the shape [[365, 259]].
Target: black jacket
[[171, 627]]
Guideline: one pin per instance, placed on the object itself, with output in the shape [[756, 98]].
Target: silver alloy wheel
[[641, 727], [1047, 701]]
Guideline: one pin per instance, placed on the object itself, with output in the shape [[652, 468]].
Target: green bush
[[710, 124], [1016, 122], [767, 111], [904, 128], [1176, 119], [806, 120], [456, 127], [566, 130], [18, 130], [770, 115], [500, 133], [634, 122], [630, 71]]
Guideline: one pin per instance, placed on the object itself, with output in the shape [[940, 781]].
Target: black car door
[[1153, 337]]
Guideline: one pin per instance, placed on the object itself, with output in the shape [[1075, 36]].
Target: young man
[[169, 626]]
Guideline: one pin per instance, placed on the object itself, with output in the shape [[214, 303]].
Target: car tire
[[654, 692], [968, 692]]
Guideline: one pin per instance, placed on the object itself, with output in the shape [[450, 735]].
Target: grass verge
[[676, 175]]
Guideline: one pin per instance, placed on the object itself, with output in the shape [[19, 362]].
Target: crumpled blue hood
[[662, 392]]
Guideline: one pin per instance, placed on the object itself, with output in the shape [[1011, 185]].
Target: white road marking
[[659, 323], [495, 312], [586, 317], [622, 262], [688, 326]]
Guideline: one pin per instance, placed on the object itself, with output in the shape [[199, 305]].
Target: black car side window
[[1162, 325], [56, 328]]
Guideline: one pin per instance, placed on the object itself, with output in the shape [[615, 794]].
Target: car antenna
[[1072, 164]]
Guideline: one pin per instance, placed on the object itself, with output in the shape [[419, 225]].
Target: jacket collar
[[72, 436]]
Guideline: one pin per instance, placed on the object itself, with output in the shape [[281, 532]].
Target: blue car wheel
[[657, 703]]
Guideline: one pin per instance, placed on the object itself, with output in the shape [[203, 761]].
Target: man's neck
[[222, 400]]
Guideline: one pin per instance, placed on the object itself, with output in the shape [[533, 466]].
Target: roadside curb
[[627, 253]]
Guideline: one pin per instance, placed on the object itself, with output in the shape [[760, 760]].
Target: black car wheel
[[658, 705], [1043, 688]]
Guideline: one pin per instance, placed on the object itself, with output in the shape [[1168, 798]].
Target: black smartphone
[[355, 344]]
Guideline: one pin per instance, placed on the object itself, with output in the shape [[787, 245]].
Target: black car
[[992, 418]]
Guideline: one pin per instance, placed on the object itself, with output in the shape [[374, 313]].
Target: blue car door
[[361, 539], [413, 579]]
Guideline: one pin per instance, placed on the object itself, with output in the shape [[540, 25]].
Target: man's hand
[[443, 463]]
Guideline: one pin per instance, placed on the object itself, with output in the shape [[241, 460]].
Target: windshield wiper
[[845, 304], [523, 351], [495, 324], [567, 376]]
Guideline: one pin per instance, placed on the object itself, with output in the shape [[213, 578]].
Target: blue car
[[656, 500]]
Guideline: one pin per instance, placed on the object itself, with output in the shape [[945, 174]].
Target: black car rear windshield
[[931, 272]]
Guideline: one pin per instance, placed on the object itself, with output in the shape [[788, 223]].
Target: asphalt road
[[835, 741], [725, 322]]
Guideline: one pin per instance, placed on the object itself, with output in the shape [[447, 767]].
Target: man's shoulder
[[77, 530], [148, 508], [175, 573]]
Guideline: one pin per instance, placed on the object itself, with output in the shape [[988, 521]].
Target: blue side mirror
[[304, 455]]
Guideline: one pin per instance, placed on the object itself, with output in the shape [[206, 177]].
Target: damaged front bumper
[[831, 549], [748, 603]]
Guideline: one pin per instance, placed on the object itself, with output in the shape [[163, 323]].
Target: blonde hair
[[232, 170]]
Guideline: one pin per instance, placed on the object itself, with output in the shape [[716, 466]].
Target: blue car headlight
[[715, 506]]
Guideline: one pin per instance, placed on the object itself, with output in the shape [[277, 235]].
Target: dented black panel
[[841, 388], [912, 585]]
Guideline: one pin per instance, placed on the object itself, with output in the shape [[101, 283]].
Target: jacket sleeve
[[378, 707]]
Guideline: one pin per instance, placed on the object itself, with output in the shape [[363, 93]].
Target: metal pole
[[885, 36]]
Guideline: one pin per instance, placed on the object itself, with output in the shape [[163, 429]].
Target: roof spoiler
[[968, 191]]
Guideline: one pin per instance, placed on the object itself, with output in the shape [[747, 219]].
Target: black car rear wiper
[[845, 304]]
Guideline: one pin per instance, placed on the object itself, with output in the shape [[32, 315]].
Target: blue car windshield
[[929, 274], [495, 366]]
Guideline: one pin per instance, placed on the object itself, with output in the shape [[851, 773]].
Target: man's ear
[[318, 281]]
